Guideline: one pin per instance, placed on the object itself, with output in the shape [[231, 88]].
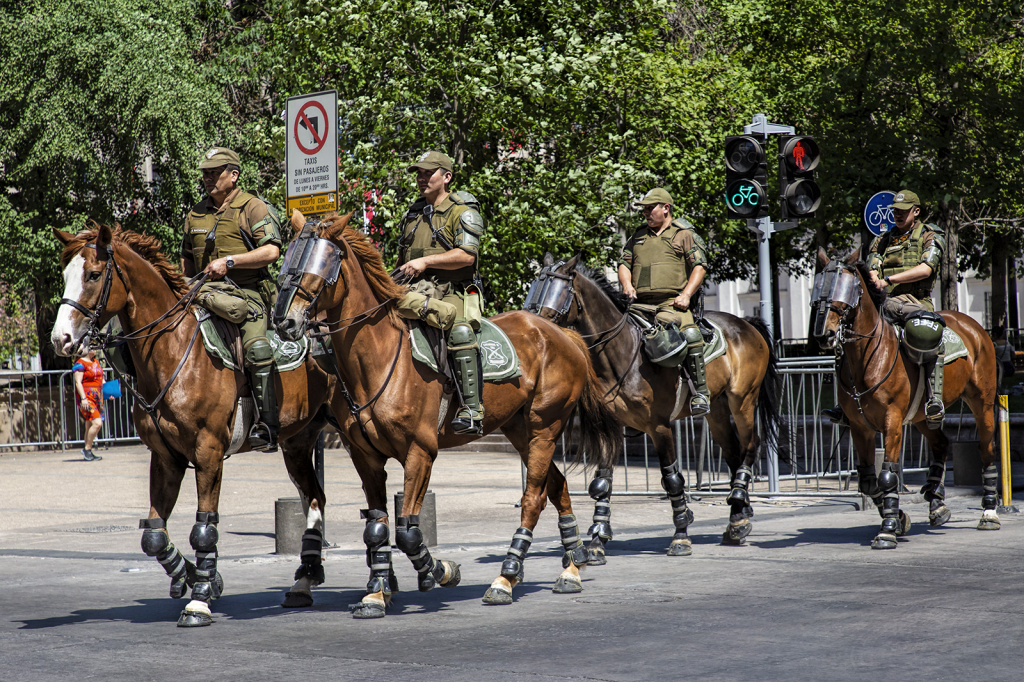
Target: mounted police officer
[[439, 251], [905, 262], [663, 266], [232, 236]]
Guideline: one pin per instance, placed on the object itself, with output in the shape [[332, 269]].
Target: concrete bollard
[[289, 525], [966, 463], [428, 517]]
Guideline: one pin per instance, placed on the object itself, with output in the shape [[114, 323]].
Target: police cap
[[219, 156], [657, 195], [905, 199], [431, 160]]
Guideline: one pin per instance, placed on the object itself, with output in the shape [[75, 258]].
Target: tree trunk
[[1013, 321], [998, 299], [947, 269]]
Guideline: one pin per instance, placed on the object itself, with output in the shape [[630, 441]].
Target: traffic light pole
[[764, 227]]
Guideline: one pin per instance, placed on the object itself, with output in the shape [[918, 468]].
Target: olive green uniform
[[248, 303], [891, 254], [660, 266], [449, 299]]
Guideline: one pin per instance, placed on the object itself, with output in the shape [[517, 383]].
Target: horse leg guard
[[989, 499], [888, 484], [376, 537], [156, 543], [431, 572], [867, 484], [311, 568], [739, 503], [601, 530], [207, 587], [512, 573], [575, 556], [935, 492], [675, 487]]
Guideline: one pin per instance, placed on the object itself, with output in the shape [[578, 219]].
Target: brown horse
[[193, 406], [391, 406], [878, 386], [644, 395]]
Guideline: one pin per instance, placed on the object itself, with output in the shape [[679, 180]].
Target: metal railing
[[816, 457], [37, 411]]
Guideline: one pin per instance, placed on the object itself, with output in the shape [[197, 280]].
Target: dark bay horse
[[395, 408], [878, 386], [742, 382], [191, 423]]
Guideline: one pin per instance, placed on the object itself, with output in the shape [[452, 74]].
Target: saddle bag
[[665, 345], [224, 300]]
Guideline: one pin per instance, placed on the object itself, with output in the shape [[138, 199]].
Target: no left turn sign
[[311, 161]]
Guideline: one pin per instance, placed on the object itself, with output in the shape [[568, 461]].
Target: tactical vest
[[419, 240], [228, 240], [657, 268], [897, 258]]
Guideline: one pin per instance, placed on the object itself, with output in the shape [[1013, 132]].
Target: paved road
[[805, 599]]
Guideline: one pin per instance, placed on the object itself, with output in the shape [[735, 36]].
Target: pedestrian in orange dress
[[88, 375]]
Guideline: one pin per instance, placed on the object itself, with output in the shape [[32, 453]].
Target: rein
[[847, 335]]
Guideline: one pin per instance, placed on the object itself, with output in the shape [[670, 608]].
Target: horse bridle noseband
[[94, 315]]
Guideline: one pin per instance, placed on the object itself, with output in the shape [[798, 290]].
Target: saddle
[[498, 358], [223, 341], [715, 344]]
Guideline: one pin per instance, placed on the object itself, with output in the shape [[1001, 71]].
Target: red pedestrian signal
[[800, 194]]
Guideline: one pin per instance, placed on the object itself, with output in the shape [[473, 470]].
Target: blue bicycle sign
[[878, 213]]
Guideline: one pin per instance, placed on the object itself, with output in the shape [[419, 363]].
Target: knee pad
[[154, 536], [923, 335], [375, 535], [203, 537], [259, 353], [693, 336], [888, 481], [461, 335], [408, 538], [600, 488], [672, 481]]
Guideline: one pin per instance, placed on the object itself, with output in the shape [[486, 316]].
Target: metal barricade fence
[[816, 457], [37, 411]]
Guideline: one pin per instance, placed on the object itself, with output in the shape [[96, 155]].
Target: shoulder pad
[[683, 224], [472, 222], [242, 199], [464, 197], [932, 227]]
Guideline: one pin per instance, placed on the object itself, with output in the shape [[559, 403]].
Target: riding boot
[[260, 359], [700, 404], [934, 410], [466, 360], [836, 415]]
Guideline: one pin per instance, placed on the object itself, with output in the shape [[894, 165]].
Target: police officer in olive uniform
[[232, 235], [905, 261], [439, 251], [663, 265]]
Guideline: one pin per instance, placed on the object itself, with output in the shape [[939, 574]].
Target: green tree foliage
[[557, 114]]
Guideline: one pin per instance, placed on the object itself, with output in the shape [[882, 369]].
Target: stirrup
[[934, 413], [263, 438], [465, 423], [836, 416], [699, 405]]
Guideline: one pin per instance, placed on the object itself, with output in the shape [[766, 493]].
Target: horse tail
[[768, 417], [600, 433]]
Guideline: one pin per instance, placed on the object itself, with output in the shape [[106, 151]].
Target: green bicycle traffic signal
[[746, 180]]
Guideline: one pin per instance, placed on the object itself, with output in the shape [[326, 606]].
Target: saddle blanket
[[287, 354], [497, 354]]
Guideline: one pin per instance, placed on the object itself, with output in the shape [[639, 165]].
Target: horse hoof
[[904, 524], [939, 516], [567, 585], [680, 548], [297, 600], [596, 557], [454, 573], [989, 524], [884, 541], [497, 597], [740, 529], [194, 619], [728, 539], [367, 609]]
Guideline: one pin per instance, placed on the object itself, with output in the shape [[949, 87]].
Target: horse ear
[[822, 259], [298, 220], [62, 236], [573, 262], [549, 260], [104, 236], [853, 258]]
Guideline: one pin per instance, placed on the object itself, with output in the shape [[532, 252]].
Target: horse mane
[[605, 285], [877, 295], [337, 227], [146, 246]]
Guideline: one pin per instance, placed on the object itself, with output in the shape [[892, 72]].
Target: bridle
[[548, 292], [94, 315]]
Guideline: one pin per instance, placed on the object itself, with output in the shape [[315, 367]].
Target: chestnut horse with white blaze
[[192, 400], [390, 406], [743, 387], [877, 388]]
